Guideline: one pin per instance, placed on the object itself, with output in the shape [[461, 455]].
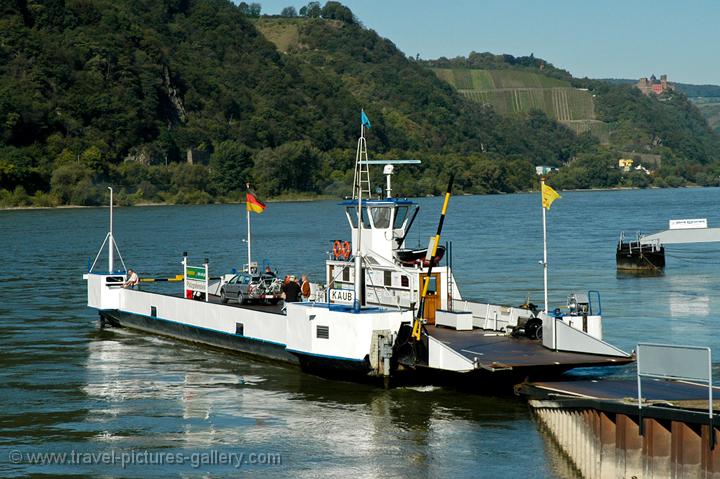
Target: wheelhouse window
[[365, 221], [351, 213], [400, 214], [381, 216]]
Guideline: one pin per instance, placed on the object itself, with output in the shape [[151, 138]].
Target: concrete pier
[[601, 434]]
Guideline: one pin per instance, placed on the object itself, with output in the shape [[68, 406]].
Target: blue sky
[[598, 39]]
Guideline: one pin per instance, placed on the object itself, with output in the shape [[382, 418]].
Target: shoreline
[[326, 198], [67, 207]]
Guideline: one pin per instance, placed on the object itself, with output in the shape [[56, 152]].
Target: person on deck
[[291, 291], [132, 281], [268, 272], [305, 288]]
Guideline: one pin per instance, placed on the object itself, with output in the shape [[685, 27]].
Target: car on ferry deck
[[245, 287]]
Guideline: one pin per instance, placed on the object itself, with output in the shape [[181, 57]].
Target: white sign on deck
[[688, 224], [346, 296]]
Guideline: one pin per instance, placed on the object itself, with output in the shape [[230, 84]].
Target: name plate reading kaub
[[345, 296]]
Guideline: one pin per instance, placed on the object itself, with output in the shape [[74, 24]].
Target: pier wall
[[606, 444]]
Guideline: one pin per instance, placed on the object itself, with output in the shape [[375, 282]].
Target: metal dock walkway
[[636, 428]]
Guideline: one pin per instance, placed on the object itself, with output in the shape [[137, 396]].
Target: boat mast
[[111, 240], [361, 167]]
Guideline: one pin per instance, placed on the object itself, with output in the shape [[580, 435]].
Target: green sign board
[[196, 273], [196, 278]]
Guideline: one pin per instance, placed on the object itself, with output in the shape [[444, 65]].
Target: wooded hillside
[[98, 92]]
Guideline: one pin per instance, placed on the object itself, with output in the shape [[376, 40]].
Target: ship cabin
[[393, 273]]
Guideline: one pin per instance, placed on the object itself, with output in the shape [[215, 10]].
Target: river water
[[67, 387]]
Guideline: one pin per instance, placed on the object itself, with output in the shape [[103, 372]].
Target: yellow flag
[[548, 196]]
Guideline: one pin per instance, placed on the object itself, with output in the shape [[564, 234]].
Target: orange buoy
[[346, 250]]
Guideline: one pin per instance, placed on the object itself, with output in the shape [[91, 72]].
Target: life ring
[[337, 249], [346, 250]]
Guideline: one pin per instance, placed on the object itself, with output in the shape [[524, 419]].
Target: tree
[[289, 12], [250, 10], [292, 167], [255, 9], [231, 163], [73, 184], [313, 10], [337, 11]]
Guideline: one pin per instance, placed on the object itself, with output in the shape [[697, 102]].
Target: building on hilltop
[[654, 86], [544, 170]]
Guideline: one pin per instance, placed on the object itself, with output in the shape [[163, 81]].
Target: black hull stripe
[[156, 318], [198, 334]]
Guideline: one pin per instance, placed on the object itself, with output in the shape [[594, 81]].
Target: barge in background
[[647, 252], [361, 324], [638, 256]]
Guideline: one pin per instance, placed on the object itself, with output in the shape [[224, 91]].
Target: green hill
[[187, 100], [710, 108], [705, 97]]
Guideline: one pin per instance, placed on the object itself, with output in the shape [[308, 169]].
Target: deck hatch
[[323, 332]]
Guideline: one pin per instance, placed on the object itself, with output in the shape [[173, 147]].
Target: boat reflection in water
[[683, 305], [174, 397]]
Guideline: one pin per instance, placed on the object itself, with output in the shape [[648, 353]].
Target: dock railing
[[678, 363]]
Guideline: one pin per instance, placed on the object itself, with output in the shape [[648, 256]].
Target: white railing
[[679, 363]]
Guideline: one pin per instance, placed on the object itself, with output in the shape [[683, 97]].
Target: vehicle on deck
[[244, 288]]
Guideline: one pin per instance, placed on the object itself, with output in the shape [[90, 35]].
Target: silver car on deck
[[244, 288]]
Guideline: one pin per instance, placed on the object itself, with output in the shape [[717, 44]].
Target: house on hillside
[[625, 164], [544, 170]]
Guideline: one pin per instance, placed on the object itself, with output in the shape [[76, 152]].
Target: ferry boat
[[379, 316]]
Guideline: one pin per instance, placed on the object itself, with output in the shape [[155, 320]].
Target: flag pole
[[247, 211], [545, 261], [248, 239]]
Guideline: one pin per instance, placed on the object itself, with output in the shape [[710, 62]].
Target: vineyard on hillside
[[513, 91]]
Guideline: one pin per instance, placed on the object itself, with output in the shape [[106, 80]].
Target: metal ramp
[[682, 232], [704, 235], [496, 352]]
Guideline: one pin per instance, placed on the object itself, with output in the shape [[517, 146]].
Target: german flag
[[253, 204]]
